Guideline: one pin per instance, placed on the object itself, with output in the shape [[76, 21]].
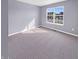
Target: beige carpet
[[42, 44]]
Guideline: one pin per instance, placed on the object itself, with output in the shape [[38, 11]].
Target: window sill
[[55, 24]]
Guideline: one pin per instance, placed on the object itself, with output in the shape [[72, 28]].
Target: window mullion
[[53, 18]]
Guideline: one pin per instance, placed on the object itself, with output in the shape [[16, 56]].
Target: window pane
[[59, 14], [50, 19], [59, 19]]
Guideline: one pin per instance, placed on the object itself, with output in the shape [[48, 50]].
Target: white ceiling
[[40, 2]]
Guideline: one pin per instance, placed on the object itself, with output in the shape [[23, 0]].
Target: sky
[[56, 9]]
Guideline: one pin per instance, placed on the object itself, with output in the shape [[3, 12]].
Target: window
[[55, 15]]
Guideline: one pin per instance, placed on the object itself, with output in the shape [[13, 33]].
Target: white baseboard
[[48, 28], [21, 31], [62, 31], [14, 33]]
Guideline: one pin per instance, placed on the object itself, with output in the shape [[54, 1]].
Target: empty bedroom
[[42, 29]]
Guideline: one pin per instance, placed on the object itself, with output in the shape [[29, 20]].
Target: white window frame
[[54, 18]]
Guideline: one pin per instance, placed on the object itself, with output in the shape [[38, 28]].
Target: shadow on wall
[[30, 26]]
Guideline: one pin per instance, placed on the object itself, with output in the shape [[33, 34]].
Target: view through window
[[55, 15]]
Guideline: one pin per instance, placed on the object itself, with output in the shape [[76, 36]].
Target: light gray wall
[[4, 29], [70, 16], [20, 15]]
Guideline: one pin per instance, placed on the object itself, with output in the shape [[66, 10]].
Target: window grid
[[55, 18]]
